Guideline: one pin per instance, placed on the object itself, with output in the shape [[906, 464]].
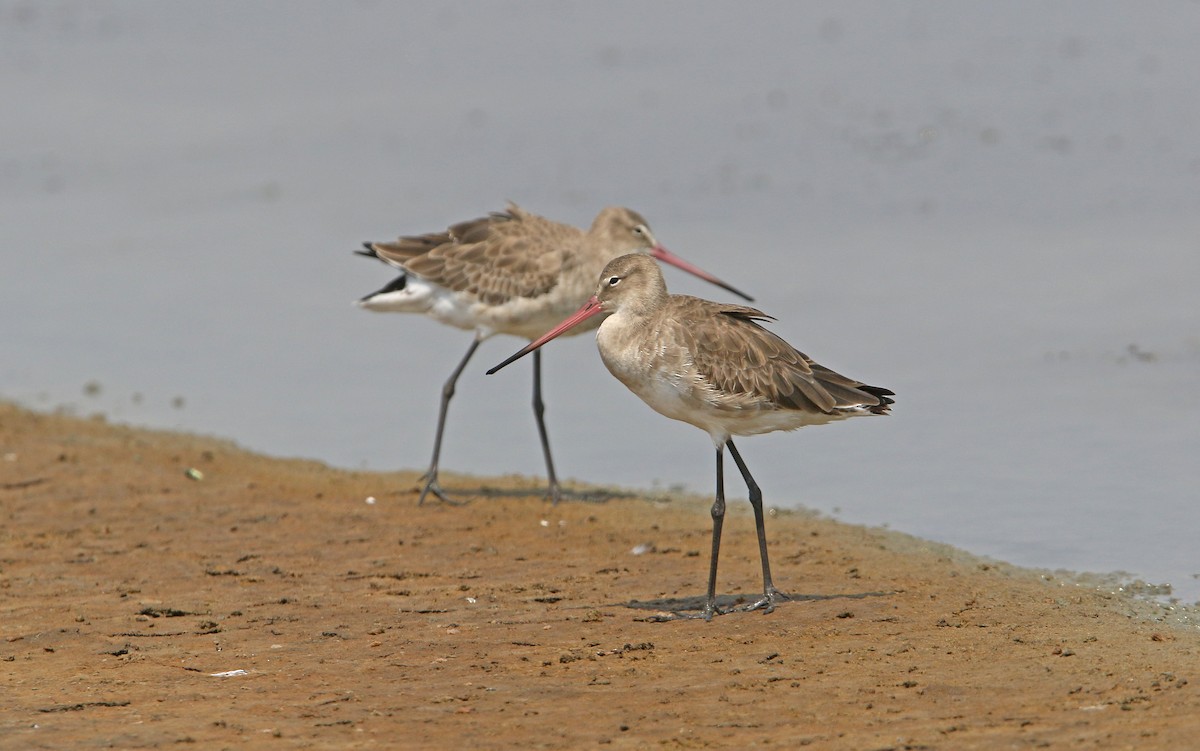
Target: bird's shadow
[[592, 495], [689, 607]]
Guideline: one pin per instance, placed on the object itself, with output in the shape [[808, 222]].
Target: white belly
[[527, 318]]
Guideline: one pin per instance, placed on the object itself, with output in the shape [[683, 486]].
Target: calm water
[[992, 209]]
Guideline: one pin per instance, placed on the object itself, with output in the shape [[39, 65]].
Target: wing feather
[[505, 255], [748, 367]]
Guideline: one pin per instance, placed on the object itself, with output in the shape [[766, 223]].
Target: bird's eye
[[639, 230], [613, 281]]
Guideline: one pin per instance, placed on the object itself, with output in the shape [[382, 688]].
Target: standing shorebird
[[511, 272], [713, 366]]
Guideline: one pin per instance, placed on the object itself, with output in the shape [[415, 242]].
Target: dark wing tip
[[883, 395]]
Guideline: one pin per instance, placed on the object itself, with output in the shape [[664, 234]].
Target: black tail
[[395, 285]]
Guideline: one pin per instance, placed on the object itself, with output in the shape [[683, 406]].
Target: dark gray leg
[[431, 475], [539, 409], [718, 519], [771, 596]]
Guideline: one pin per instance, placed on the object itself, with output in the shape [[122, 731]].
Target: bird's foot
[[771, 597], [431, 487]]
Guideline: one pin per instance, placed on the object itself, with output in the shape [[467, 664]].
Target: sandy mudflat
[[127, 588]]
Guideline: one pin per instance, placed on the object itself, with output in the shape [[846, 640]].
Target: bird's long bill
[[667, 256], [589, 309]]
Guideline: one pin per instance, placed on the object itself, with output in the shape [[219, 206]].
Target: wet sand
[[161, 590]]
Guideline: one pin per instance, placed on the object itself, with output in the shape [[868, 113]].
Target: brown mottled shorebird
[[511, 272], [714, 366]]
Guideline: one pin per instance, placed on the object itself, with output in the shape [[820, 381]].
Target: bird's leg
[[539, 409], [771, 595], [431, 475], [718, 519]]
